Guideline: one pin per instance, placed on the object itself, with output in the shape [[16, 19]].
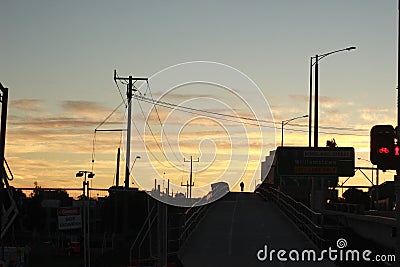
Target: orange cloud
[[26, 105]]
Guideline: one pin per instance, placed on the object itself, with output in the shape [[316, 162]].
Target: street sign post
[[315, 161]]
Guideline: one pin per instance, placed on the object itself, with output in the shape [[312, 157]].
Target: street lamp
[[133, 164], [316, 59], [287, 121], [88, 174], [137, 157], [86, 236]]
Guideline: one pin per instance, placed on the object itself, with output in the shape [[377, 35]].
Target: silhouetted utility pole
[[4, 105], [187, 188], [190, 184], [129, 93], [117, 171]]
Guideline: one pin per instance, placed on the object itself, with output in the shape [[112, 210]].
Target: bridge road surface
[[235, 228]]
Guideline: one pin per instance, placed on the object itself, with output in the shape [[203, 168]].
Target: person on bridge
[[241, 186]]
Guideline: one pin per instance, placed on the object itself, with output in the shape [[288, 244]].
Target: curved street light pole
[[133, 164], [289, 120], [317, 185], [317, 59]]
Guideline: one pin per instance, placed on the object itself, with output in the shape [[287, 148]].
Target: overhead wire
[[158, 102], [201, 112], [168, 105], [195, 111], [120, 93], [147, 147], [331, 127], [151, 131], [323, 132], [95, 131], [161, 125], [106, 119], [205, 114]]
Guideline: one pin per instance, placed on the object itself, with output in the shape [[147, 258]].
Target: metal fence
[[75, 193], [321, 229]]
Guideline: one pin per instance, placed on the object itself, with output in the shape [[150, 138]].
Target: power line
[[120, 92], [106, 119], [158, 102], [201, 112], [163, 103], [331, 127], [259, 122], [169, 105], [96, 129], [147, 147], [151, 131], [161, 125]]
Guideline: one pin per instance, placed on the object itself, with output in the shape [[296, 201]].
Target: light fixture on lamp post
[[284, 122], [137, 157], [86, 174]]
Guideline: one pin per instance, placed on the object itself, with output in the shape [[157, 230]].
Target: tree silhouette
[[356, 196]]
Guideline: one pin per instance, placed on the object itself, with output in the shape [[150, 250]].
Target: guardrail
[[346, 207], [178, 231], [320, 228], [142, 235], [9, 212], [191, 218]]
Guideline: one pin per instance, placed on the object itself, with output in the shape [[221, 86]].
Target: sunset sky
[[58, 57]]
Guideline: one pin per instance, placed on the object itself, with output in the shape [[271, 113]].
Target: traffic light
[[385, 151]]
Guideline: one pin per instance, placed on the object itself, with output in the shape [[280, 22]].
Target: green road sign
[[311, 161]]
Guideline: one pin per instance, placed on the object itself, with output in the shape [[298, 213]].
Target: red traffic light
[[383, 150]]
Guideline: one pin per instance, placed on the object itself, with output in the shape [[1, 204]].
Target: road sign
[[69, 218], [337, 161]]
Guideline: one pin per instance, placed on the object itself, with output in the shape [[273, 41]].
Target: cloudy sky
[[57, 59]]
